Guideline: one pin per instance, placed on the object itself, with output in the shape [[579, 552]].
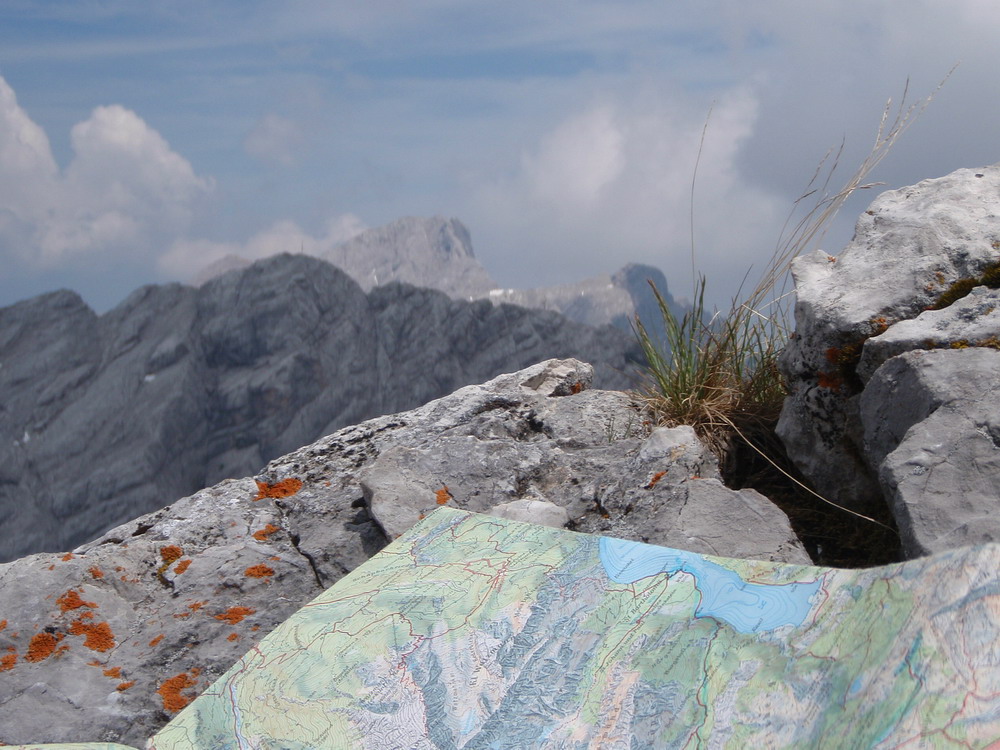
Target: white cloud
[[611, 184], [187, 258], [124, 193], [274, 139]]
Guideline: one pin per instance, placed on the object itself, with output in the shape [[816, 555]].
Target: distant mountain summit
[[436, 253]]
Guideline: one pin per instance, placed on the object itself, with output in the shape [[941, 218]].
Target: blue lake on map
[[747, 607]]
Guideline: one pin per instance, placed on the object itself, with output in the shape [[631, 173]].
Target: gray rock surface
[[108, 642], [103, 418], [931, 424], [909, 247], [973, 320]]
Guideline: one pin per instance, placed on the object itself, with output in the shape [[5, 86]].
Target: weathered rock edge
[[893, 366], [107, 642]]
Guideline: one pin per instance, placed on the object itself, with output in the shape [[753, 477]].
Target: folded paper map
[[475, 632]]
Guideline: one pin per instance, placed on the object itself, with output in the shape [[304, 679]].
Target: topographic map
[[475, 632]]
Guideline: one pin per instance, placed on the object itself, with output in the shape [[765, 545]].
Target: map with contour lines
[[475, 632]]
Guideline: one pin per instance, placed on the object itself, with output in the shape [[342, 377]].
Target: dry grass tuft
[[718, 373]]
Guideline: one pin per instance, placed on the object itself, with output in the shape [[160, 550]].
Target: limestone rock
[[932, 427], [541, 512], [971, 321], [108, 642], [909, 247]]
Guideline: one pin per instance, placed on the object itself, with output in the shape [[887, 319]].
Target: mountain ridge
[[108, 416]]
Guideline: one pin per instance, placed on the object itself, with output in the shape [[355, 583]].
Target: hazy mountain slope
[[437, 253], [106, 417]]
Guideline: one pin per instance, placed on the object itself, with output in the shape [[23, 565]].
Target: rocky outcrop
[[931, 422], [893, 364], [103, 418], [109, 641]]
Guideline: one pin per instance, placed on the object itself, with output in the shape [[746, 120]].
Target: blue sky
[[141, 140]]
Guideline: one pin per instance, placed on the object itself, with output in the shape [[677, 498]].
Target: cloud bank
[[124, 192], [612, 184]]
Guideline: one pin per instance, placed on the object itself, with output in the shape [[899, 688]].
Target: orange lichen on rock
[[833, 382], [170, 553], [284, 488], [195, 606], [122, 686], [259, 571], [115, 672], [233, 637], [182, 566], [156, 640], [3, 625], [42, 646], [96, 572], [576, 388], [7, 661], [98, 636], [67, 557], [656, 478], [443, 495], [234, 615], [170, 691], [71, 600], [261, 535]]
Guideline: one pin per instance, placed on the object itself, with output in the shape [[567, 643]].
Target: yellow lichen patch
[[170, 690], [234, 615], [443, 495], [261, 535], [259, 571], [97, 636], [42, 646], [284, 488], [71, 600]]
